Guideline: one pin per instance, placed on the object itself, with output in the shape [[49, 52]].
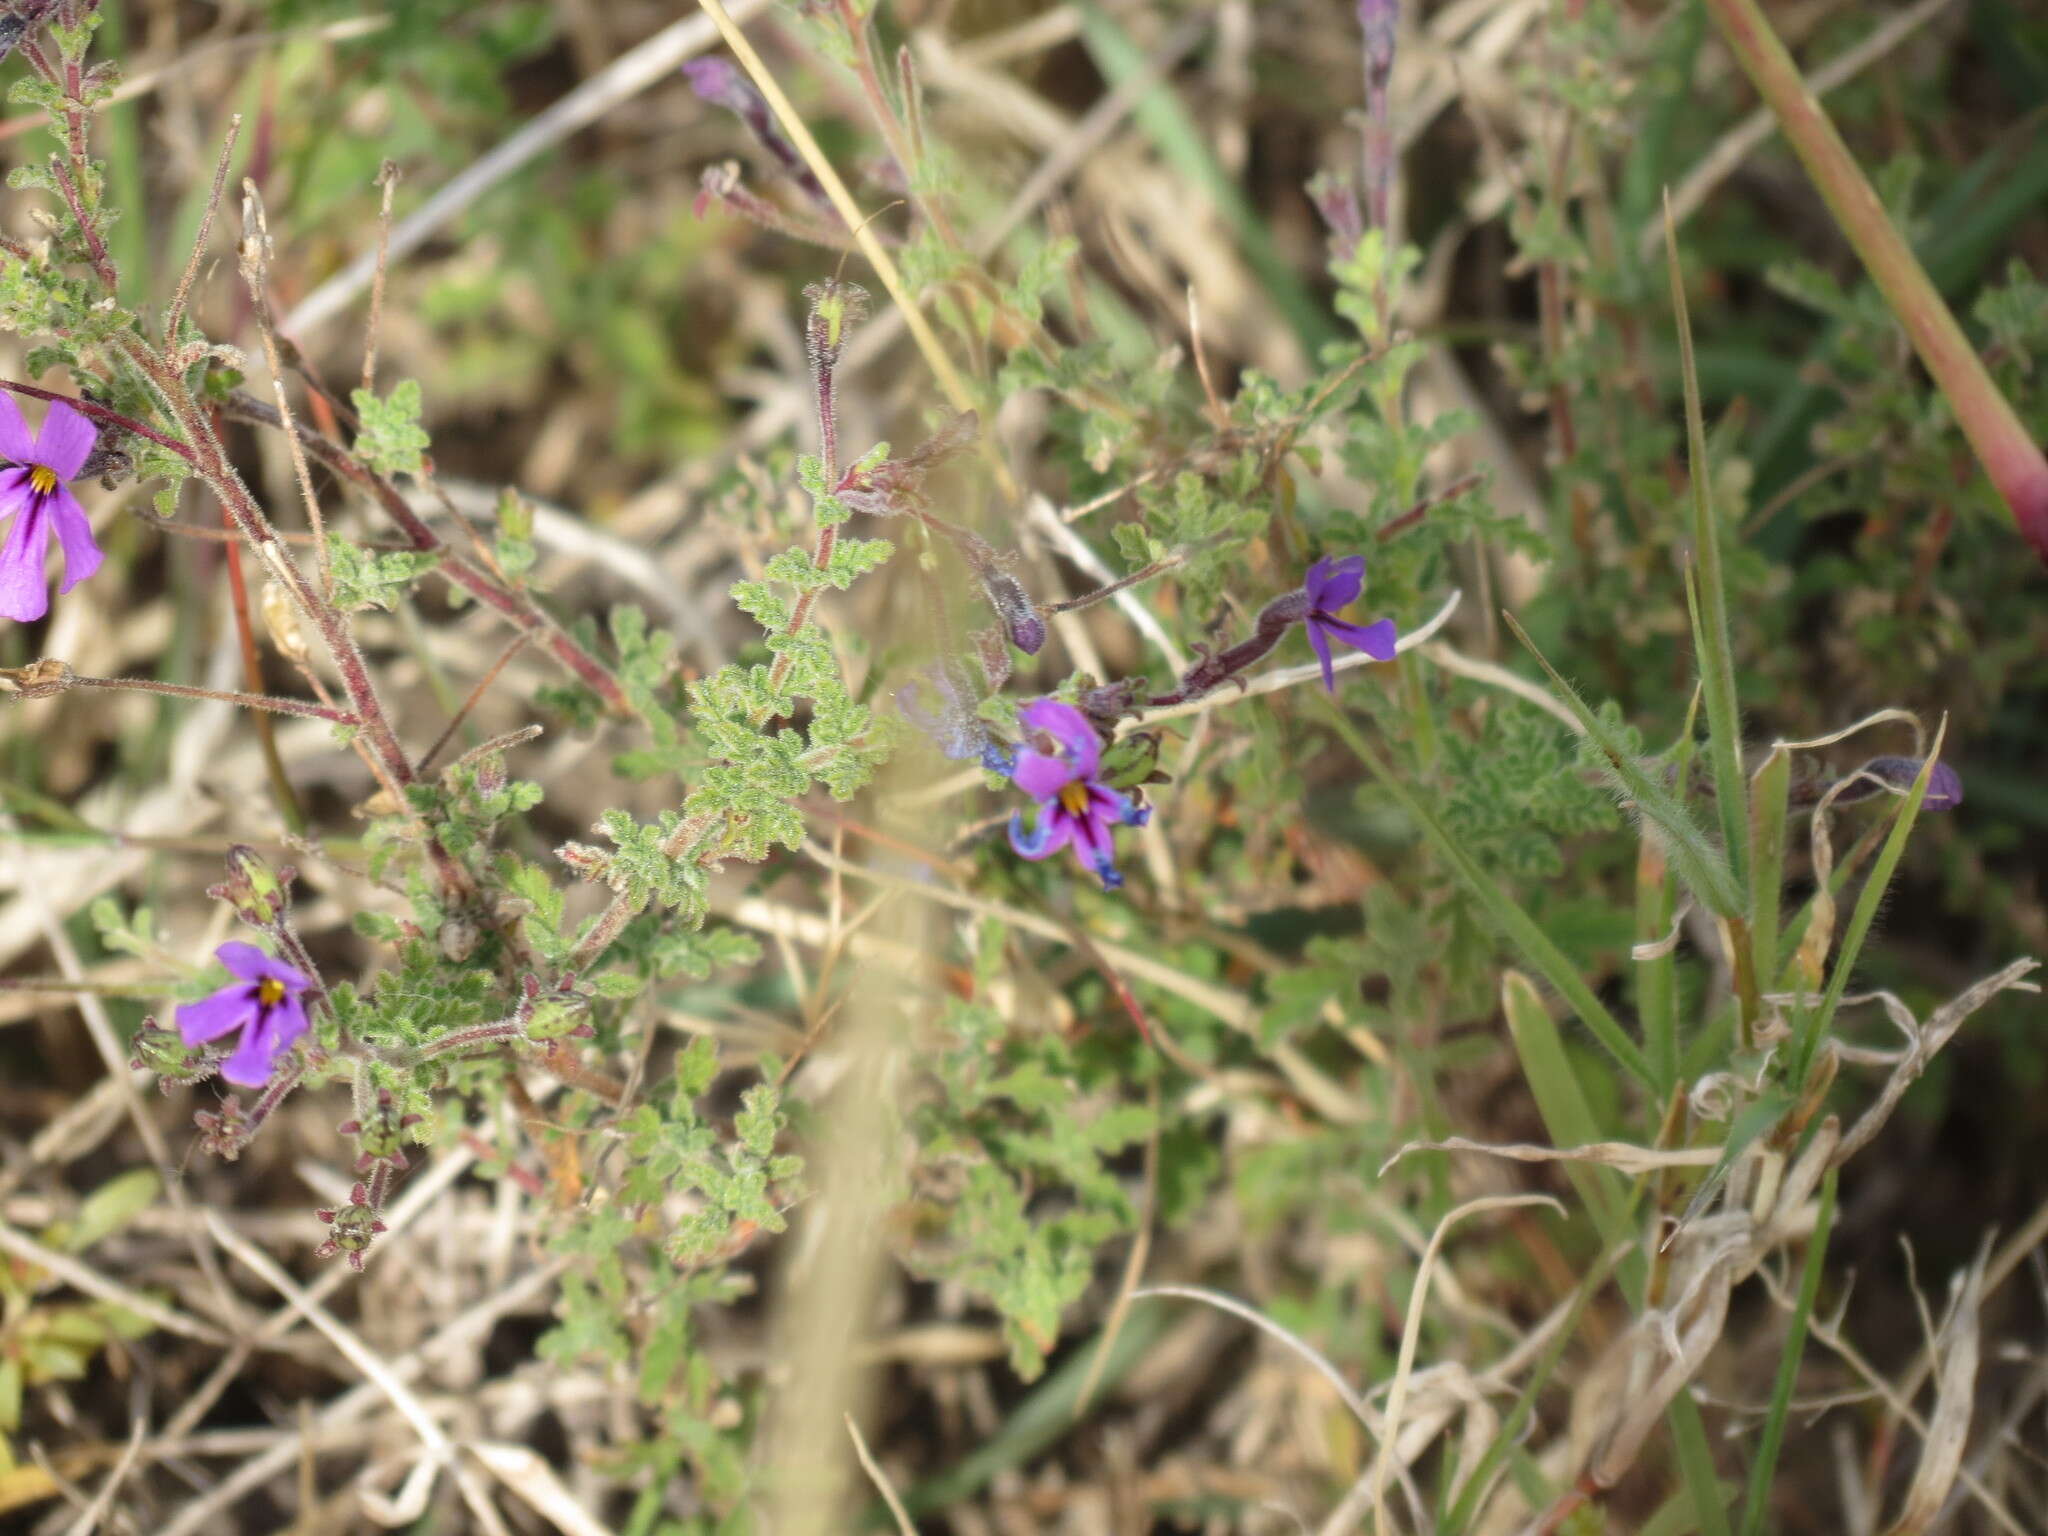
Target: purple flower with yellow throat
[[1335, 584], [265, 1001], [33, 493], [1074, 805]]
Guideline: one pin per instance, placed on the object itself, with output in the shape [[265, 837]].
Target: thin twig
[[176, 312], [387, 178]]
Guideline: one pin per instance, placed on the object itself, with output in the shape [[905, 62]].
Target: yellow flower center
[[270, 991], [1074, 797], [42, 479]]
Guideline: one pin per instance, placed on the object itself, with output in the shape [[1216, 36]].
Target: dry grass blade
[[1948, 1431], [1927, 1040], [1411, 1333], [83, 1277], [521, 1469], [880, 1479], [1608, 1154]]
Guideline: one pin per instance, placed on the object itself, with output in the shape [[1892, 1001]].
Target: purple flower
[[1944, 785], [723, 84], [32, 492], [1074, 806], [1334, 584], [264, 1001]]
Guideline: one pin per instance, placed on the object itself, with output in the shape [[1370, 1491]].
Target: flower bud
[[258, 894]]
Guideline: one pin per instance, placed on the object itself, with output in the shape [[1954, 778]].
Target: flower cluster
[[1060, 762]]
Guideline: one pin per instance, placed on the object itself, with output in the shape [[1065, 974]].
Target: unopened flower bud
[[164, 1052], [1944, 784], [258, 893], [39, 679]]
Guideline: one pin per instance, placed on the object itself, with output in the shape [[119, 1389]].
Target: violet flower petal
[[1376, 639], [250, 1064], [252, 964], [24, 592], [16, 441], [1068, 727], [1054, 830], [1322, 650], [1042, 777], [67, 440], [217, 1014], [1334, 584], [82, 555]]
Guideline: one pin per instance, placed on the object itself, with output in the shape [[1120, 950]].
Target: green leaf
[[111, 1207], [390, 439], [1696, 861], [1547, 1067], [1519, 927]]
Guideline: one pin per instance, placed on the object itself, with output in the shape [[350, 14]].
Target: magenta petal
[[217, 1014], [1334, 584], [16, 495], [1067, 726], [1054, 830], [24, 592], [67, 440], [16, 441], [82, 556], [251, 964], [243, 960], [250, 1064], [1375, 639], [1322, 647], [1042, 777]]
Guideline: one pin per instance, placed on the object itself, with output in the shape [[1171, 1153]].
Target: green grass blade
[[1716, 657], [1567, 1116], [1694, 858], [1696, 1465], [1761, 1473], [1458, 1517], [1815, 1025], [1769, 792], [1506, 912]]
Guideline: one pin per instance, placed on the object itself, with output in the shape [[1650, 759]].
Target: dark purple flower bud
[[1378, 21], [1108, 703], [1944, 784], [722, 83]]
